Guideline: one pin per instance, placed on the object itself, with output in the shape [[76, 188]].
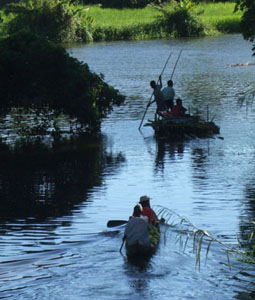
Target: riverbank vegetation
[[248, 20], [56, 86], [43, 90], [63, 21], [216, 18]]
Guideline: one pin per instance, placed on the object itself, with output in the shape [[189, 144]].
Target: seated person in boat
[[136, 230], [148, 211], [178, 110], [158, 97], [168, 94]]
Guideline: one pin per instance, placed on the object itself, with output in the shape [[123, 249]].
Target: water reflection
[[50, 182], [173, 150], [211, 182]]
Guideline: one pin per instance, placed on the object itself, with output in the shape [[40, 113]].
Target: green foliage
[[4, 2], [248, 19], [140, 31], [42, 81], [56, 20], [178, 20]]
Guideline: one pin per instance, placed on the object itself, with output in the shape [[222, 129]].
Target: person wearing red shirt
[[147, 210], [178, 109]]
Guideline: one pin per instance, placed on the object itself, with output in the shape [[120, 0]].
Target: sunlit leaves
[[56, 20], [178, 19]]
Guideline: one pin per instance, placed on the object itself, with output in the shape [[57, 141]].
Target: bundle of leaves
[[41, 78], [56, 20], [179, 19]]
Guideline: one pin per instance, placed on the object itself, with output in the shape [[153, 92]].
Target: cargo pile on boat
[[183, 127]]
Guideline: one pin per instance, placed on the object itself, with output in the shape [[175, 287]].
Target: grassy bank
[[75, 24], [220, 17], [140, 23]]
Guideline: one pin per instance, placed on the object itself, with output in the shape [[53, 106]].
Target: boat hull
[[140, 251]]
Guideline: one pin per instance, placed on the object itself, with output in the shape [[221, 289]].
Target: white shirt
[[168, 93], [136, 231]]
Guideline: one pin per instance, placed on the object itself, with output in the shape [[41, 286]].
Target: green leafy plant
[[56, 20], [179, 19], [202, 240]]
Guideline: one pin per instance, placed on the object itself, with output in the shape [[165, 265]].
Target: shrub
[[177, 19], [41, 79], [56, 20]]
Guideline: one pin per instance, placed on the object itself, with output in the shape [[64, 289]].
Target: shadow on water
[[169, 149], [50, 182]]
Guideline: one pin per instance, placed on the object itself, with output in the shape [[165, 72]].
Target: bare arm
[[160, 81]]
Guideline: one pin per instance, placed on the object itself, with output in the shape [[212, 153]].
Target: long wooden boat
[[138, 251], [186, 126]]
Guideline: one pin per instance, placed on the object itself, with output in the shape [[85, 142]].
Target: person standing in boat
[[158, 97], [148, 211], [178, 109], [168, 94], [136, 230]]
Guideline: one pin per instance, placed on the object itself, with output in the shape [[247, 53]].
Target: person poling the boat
[[158, 97], [168, 94], [136, 230]]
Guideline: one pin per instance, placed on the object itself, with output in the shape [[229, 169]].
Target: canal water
[[71, 254]]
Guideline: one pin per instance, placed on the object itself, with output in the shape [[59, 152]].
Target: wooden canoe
[[140, 251]]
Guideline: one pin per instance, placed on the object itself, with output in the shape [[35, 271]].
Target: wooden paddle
[[114, 223]]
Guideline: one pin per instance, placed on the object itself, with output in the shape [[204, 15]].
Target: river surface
[[74, 256]]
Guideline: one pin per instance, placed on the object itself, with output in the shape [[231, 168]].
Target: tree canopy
[[248, 19], [41, 79]]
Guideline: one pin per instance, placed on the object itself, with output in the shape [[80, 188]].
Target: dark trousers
[[169, 103]]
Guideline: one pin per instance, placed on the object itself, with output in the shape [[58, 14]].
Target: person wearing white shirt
[[168, 94], [136, 231]]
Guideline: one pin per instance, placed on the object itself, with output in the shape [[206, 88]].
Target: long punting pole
[[176, 64], [152, 92]]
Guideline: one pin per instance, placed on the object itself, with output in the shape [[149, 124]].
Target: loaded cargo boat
[[185, 126]]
